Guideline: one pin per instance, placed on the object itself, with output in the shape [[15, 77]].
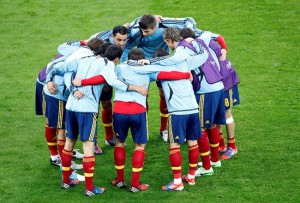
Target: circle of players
[[197, 87]]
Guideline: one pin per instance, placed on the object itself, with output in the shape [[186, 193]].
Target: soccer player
[[146, 33], [230, 81], [172, 38], [210, 98], [82, 109], [117, 36], [55, 106], [184, 123]]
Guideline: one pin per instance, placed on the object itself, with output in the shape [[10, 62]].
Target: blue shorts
[[232, 97], [137, 124], [183, 127], [85, 124], [40, 103], [211, 109], [55, 112], [107, 93]]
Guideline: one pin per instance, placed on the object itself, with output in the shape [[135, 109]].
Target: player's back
[[124, 72], [88, 66]]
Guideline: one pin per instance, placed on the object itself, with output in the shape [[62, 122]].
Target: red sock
[[175, 159], [231, 143], [107, 122], [204, 150], [51, 138], [120, 158], [88, 168], [221, 141], [138, 159], [193, 158], [163, 113], [66, 158], [60, 145], [213, 136]]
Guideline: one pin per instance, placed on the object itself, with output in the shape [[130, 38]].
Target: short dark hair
[[172, 33], [94, 43], [147, 21], [112, 52], [160, 53], [136, 54], [102, 48], [187, 32], [120, 29]]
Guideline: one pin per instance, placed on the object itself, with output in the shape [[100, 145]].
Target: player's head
[[119, 35], [102, 48], [186, 33], [113, 53], [148, 24], [136, 54], [160, 53], [94, 43], [171, 36]]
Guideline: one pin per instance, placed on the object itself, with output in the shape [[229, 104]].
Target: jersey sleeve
[[69, 47], [60, 69], [187, 22], [220, 39], [178, 57], [173, 75], [111, 78], [103, 35], [197, 60], [96, 80]]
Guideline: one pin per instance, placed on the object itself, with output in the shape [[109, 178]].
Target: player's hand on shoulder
[[77, 82], [158, 18], [143, 62], [189, 39], [191, 77], [223, 56], [127, 25]]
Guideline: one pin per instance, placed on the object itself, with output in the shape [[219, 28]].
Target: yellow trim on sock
[[193, 147], [88, 175], [107, 124], [231, 141], [176, 167], [192, 165], [119, 167], [174, 151], [214, 145], [67, 153], [137, 169], [65, 168], [88, 159], [165, 115], [52, 143], [59, 142], [204, 153]]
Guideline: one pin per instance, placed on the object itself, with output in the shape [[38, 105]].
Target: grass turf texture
[[263, 40]]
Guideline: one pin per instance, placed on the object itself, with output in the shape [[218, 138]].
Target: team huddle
[[197, 88]]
